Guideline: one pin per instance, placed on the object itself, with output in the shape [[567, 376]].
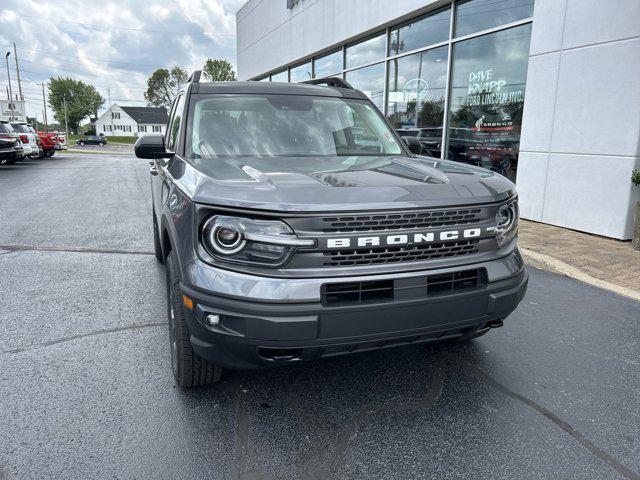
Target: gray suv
[[295, 224]]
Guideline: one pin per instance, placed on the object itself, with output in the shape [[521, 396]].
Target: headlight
[[507, 222], [255, 242]]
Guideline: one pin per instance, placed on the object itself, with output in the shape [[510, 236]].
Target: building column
[[581, 126]]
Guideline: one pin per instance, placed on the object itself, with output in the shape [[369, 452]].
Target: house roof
[[156, 115]]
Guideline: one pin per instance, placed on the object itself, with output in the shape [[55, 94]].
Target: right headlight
[[268, 243], [507, 222]]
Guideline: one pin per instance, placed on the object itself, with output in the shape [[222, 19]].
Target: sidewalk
[[605, 259]]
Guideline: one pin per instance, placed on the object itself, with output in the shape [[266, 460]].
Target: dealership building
[[546, 92]]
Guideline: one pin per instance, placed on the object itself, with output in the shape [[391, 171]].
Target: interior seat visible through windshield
[[286, 125]]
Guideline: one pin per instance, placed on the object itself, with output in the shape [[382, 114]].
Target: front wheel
[[82, 144], [189, 369], [49, 153], [101, 144]]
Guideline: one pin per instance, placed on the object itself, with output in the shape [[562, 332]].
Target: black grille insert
[[408, 288], [394, 221], [357, 293], [406, 253]]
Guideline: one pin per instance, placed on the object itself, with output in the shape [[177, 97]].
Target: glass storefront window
[[427, 30], [417, 90], [300, 73], [475, 15], [280, 77], [488, 79], [369, 51], [371, 81], [329, 65]]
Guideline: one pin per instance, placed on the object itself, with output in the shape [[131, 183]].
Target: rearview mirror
[[413, 144], [151, 146]]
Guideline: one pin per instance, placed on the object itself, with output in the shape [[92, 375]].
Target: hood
[[336, 183]]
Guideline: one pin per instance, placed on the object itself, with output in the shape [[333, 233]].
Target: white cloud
[[115, 44]]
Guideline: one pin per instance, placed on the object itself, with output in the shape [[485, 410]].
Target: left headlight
[[268, 243], [507, 222]]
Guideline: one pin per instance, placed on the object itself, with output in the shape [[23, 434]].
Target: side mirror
[[151, 146], [413, 144]]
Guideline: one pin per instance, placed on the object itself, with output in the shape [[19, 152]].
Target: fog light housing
[[213, 320]]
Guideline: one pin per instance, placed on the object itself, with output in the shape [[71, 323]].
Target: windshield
[[6, 128], [286, 125], [18, 127]]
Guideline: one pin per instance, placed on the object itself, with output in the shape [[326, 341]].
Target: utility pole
[[44, 104], [66, 125], [111, 111], [13, 113], [15, 53]]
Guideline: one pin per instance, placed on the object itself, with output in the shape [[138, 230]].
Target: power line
[[77, 57], [107, 29]]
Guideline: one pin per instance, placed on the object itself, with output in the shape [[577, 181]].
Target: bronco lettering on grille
[[404, 239]]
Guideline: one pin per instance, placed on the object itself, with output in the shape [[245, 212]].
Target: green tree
[[163, 86], [218, 71], [81, 100]]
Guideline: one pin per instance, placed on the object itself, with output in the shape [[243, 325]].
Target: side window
[[174, 124]]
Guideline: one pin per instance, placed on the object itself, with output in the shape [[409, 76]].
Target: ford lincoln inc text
[[295, 224]]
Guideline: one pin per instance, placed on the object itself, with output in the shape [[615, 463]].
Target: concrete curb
[[573, 272]]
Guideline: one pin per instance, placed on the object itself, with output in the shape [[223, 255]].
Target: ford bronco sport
[[286, 237]]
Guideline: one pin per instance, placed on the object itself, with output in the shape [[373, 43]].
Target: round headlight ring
[[226, 239]]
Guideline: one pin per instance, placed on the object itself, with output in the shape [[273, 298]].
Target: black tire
[[49, 153], [82, 144], [189, 369], [8, 161], [157, 246], [101, 144]]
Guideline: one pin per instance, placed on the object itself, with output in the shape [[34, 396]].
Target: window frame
[[388, 57]]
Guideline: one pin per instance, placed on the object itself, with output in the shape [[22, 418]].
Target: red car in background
[[50, 142]]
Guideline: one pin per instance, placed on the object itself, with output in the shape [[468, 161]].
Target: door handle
[[153, 170]]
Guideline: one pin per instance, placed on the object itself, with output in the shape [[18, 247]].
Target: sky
[[111, 44]]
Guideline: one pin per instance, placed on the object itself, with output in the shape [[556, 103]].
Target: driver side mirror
[[151, 146], [413, 144]]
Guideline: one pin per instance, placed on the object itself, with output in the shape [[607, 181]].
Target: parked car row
[[19, 140], [496, 154]]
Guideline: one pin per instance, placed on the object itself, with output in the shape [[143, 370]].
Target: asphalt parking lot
[[86, 389]]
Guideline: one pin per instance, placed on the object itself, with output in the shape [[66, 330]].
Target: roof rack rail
[[195, 77], [330, 82]]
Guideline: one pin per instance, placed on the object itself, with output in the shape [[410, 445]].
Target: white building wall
[[270, 36], [118, 124], [581, 127]]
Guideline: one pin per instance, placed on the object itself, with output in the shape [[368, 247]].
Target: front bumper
[[267, 326]]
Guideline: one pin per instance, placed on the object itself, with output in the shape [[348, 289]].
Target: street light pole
[[66, 125], [44, 104], [13, 113]]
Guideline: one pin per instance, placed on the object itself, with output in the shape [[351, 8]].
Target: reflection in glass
[[285, 126], [487, 96], [300, 73], [417, 89], [366, 52], [280, 77], [371, 81], [427, 30], [475, 15], [329, 65]]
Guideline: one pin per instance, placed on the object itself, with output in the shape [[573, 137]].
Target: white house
[[131, 121]]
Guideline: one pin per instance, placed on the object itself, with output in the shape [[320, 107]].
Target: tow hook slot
[[280, 354], [495, 323]]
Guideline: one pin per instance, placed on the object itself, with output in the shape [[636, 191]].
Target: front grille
[[409, 288], [406, 253], [395, 221]]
